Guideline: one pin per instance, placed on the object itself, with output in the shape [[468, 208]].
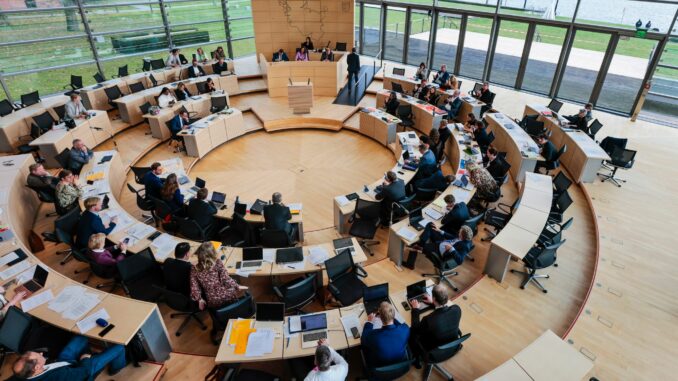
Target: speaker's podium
[[300, 96]]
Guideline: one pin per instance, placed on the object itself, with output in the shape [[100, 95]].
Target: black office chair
[[45, 195], [297, 293], [141, 276], [501, 177], [488, 105], [594, 127], [387, 372], [143, 203], [202, 87], [137, 87], [435, 357], [182, 59], [64, 158], [30, 99], [559, 207], [242, 308], [401, 209], [146, 65], [406, 116], [105, 272], [609, 144], [498, 217], [122, 72], [6, 107], [555, 105], [155, 82], [536, 259], [217, 104], [551, 231], [65, 228], [340, 47], [139, 173], [620, 159], [184, 306], [534, 127], [275, 238], [190, 229], [426, 195], [560, 184], [61, 112], [76, 84], [25, 147], [365, 222], [445, 267], [164, 214], [113, 93], [343, 278], [175, 138], [238, 233], [158, 64], [551, 165], [13, 332], [45, 121], [99, 78]]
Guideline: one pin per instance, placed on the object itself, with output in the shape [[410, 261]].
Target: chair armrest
[[277, 291], [333, 289], [360, 271], [351, 218], [506, 208], [25, 138]]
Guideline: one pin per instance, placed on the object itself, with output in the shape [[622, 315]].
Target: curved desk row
[[584, 157], [212, 131], [18, 123], [425, 116], [129, 316]]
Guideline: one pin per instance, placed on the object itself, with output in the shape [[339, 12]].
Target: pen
[[361, 312], [288, 342]]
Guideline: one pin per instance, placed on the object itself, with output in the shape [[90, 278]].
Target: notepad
[[407, 233], [342, 200], [317, 255], [95, 176]]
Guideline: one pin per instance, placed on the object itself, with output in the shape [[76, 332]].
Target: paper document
[[244, 273], [37, 300], [342, 200], [7, 258], [73, 302], [164, 246], [434, 214], [260, 342], [295, 208], [140, 230], [269, 255], [317, 255], [407, 233], [90, 322], [350, 321], [15, 269], [294, 265], [423, 222]]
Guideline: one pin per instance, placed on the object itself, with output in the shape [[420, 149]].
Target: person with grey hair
[[324, 370], [579, 121], [79, 156], [277, 216]]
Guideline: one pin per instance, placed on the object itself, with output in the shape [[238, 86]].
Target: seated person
[[481, 136], [387, 345], [470, 122], [438, 328], [201, 210], [420, 90], [484, 95], [442, 76], [494, 166], [307, 44], [277, 216], [173, 60], [79, 156], [195, 70], [579, 121], [443, 131], [457, 214], [75, 363], [392, 104], [451, 84], [427, 163], [91, 223], [430, 95], [166, 98], [211, 286], [200, 55], [219, 53], [324, 370], [391, 190], [436, 181], [210, 85], [106, 256], [450, 246], [452, 105], [220, 66], [280, 56], [39, 178], [67, 191], [6, 304], [178, 123], [171, 194], [436, 145], [74, 108], [327, 55], [548, 152], [485, 185], [421, 72], [302, 55], [181, 92], [152, 181], [177, 270], [589, 111]]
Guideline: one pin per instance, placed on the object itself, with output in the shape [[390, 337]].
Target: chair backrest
[[405, 112], [176, 300], [567, 224], [146, 65], [44, 195], [367, 210], [202, 87], [14, 329], [547, 257], [136, 87], [473, 222], [30, 98], [158, 64], [395, 86], [218, 103], [66, 226], [6, 107], [154, 81], [560, 152], [36, 131], [139, 173], [137, 266], [555, 105], [113, 92], [390, 372], [60, 111], [45, 120], [610, 142], [142, 202], [145, 107], [76, 82], [561, 183], [64, 158], [275, 238], [243, 308], [594, 128], [623, 157], [339, 265], [341, 47], [102, 271], [243, 229], [563, 201], [490, 137], [99, 78], [492, 95], [446, 351], [191, 229], [182, 59], [301, 292], [505, 166], [162, 209], [122, 71]]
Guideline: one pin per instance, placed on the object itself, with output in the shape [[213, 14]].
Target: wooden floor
[[627, 325]]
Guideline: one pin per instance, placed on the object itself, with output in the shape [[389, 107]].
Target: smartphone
[[406, 306], [355, 332], [125, 241], [106, 330]]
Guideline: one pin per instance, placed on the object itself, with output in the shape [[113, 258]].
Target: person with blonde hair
[[211, 286], [91, 223], [388, 344], [107, 256]]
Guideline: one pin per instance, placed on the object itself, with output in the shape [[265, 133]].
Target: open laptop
[[461, 182], [373, 296], [258, 207], [416, 216], [270, 312], [416, 291], [398, 71], [35, 284], [397, 87], [341, 244], [313, 328], [199, 184], [252, 258], [289, 255], [219, 199]]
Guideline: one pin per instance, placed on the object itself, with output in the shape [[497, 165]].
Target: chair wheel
[[548, 276], [555, 265], [545, 291], [522, 287]]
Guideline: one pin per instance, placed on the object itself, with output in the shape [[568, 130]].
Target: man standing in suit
[[220, 66], [392, 190], [548, 152], [438, 328], [353, 61], [177, 270], [152, 181], [74, 108], [90, 222], [73, 363], [79, 156], [387, 345], [39, 178], [457, 214], [201, 210], [195, 70], [277, 217]]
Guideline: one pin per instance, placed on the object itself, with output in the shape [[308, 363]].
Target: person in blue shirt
[[152, 181], [280, 56], [452, 106], [178, 123], [442, 76], [427, 164], [448, 246], [79, 156], [437, 181], [388, 344], [90, 222]]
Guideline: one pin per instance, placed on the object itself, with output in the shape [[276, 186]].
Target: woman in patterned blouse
[[67, 190], [211, 286]]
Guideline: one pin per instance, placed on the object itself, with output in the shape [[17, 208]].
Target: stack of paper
[[7, 258], [240, 331], [295, 208], [260, 342], [164, 245], [317, 255], [140, 231], [269, 255], [15, 269], [407, 233], [90, 322], [434, 214], [37, 300], [73, 302], [342, 200], [349, 321]]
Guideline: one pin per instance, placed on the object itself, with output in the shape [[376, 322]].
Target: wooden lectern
[[300, 97]]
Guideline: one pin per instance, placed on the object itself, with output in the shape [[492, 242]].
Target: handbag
[[35, 242]]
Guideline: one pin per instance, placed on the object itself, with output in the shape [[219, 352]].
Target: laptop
[[313, 328], [199, 184], [398, 71], [258, 207], [252, 258], [289, 255], [35, 284], [373, 296], [240, 209], [416, 216], [397, 88], [270, 312], [219, 198], [341, 244], [461, 182], [416, 291]]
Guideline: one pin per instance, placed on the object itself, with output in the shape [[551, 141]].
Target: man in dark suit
[[280, 56], [195, 70], [152, 181], [548, 152], [79, 156], [201, 210], [178, 123], [438, 328], [494, 165], [220, 66], [436, 181], [388, 344], [90, 222], [392, 190], [39, 178], [579, 121], [353, 61], [75, 363], [486, 96], [453, 105], [427, 163], [277, 216], [177, 270], [457, 214]]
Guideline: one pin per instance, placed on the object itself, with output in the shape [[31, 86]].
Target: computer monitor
[[289, 255], [270, 312], [240, 209], [200, 183], [477, 87], [378, 292], [396, 87], [398, 71], [218, 197], [416, 289], [555, 105], [252, 254]]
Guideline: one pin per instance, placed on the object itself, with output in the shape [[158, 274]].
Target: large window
[[371, 29], [508, 52], [395, 34], [547, 44], [653, 15], [585, 60], [476, 41], [420, 33], [447, 40]]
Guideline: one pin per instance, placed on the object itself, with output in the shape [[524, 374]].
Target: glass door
[[661, 103], [476, 41], [447, 40], [542, 61]]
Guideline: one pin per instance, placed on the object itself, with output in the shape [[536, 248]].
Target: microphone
[[328, 43]]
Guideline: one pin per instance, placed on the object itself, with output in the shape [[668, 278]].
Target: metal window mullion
[[90, 37], [602, 72], [227, 28], [491, 46], [460, 44], [361, 28], [562, 61], [49, 39], [406, 35], [526, 55], [382, 31], [649, 74], [166, 24], [433, 34], [4, 86]]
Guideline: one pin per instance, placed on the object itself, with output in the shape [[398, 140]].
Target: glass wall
[[420, 33], [508, 52], [476, 41], [447, 40], [547, 44], [395, 34], [371, 29], [583, 65]]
